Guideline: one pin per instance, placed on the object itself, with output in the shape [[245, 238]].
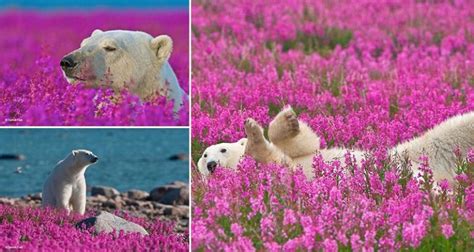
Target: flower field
[[36, 229], [34, 90], [363, 74]]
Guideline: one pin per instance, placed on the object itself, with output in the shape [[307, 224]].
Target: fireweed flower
[[33, 229], [362, 74], [35, 92], [447, 230]]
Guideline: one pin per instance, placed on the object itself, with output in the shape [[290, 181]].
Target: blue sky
[[62, 4]]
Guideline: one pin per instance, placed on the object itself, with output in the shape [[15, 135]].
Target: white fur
[[65, 187], [295, 144], [230, 158], [127, 59]]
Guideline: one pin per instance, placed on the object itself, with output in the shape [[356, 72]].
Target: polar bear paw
[[254, 132], [284, 126]]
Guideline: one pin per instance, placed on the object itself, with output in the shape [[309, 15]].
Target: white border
[[190, 158]]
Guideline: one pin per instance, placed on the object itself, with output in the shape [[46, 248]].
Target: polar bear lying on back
[[65, 188], [125, 59], [293, 143]]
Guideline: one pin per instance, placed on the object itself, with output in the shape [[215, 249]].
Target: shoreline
[[169, 202]]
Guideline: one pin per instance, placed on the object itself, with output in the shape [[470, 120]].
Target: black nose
[[211, 166], [94, 159], [68, 62]]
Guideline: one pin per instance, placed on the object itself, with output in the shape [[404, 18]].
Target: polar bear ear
[[162, 45], [242, 141], [96, 31], [74, 153]]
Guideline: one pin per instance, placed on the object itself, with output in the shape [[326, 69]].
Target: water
[[128, 158], [87, 4]]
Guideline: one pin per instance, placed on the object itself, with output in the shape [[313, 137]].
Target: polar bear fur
[[223, 154], [65, 187], [125, 59], [294, 143]]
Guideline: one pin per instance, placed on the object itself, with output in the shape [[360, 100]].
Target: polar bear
[[223, 154], [65, 187], [293, 143], [125, 59]]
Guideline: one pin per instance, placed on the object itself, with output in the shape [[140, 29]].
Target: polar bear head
[[82, 158], [223, 155], [118, 59]]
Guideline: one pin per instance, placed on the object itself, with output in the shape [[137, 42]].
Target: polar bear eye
[[109, 48], [205, 155], [223, 150]]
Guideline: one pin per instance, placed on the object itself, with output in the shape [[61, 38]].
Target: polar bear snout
[[68, 62], [94, 159], [211, 166]]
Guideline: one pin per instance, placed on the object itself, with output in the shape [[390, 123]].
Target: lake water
[[128, 158]]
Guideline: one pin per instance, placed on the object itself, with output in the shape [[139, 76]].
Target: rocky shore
[[167, 202]]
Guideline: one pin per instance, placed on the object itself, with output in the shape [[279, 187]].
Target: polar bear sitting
[[65, 187], [125, 59], [293, 143]]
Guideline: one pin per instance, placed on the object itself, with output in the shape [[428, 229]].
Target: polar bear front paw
[[254, 131]]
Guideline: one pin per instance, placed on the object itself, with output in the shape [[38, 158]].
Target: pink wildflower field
[[38, 229], [363, 74], [34, 90]]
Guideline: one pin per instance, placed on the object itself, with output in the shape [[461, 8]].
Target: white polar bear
[[125, 59], [223, 154], [293, 143], [65, 187]]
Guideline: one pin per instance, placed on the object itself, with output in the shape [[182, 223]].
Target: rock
[[145, 204], [179, 156], [176, 193], [36, 196], [7, 201], [180, 211], [98, 198], [157, 205], [104, 190], [114, 204], [107, 222], [12, 157], [137, 194]]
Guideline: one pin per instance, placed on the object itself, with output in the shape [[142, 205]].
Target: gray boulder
[[107, 223], [107, 191], [137, 194], [176, 193]]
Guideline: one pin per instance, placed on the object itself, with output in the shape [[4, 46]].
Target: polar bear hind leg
[[63, 199], [260, 149], [295, 138]]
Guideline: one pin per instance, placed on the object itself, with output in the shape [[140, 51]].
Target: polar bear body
[[295, 144], [439, 145], [122, 59], [65, 187]]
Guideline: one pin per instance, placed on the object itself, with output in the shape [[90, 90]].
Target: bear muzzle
[[211, 166], [94, 159], [68, 63]]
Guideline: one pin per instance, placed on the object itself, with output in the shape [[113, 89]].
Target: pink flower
[[236, 229], [447, 230], [470, 156], [289, 217], [330, 245], [357, 85]]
